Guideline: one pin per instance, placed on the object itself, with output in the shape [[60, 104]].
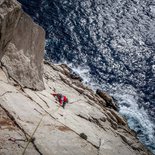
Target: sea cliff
[[90, 122]]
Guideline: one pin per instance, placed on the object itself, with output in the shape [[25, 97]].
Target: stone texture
[[108, 99], [12, 139], [120, 119], [60, 130], [9, 16], [23, 58], [52, 137]]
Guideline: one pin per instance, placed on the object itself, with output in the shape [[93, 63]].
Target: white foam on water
[[83, 72], [127, 98], [136, 115], [130, 108]]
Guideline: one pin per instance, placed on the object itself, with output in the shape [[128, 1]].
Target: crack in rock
[[59, 121], [7, 92], [24, 132], [100, 142], [93, 120], [43, 100]]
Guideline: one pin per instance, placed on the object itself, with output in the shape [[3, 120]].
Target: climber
[[61, 98]]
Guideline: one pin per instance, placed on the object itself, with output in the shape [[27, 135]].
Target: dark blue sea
[[111, 44]]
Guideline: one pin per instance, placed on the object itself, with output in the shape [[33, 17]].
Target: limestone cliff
[[22, 44], [9, 16], [85, 126], [88, 125]]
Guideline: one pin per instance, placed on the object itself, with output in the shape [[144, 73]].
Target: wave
[[137, 116], [129, 106]]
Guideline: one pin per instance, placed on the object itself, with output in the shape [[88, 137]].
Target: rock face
[[83, 127], [108, 99], [23, 58], [86, 125], [12, 137], [9, 16]]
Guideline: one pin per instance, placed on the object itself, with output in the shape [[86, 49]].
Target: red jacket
[[61, 98]]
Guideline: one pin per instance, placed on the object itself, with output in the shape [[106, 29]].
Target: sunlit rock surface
[[9, 16], [24, 46], [88, 124], [60, 130], [111, 43]]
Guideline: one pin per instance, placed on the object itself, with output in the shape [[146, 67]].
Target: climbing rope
[[31, 137]]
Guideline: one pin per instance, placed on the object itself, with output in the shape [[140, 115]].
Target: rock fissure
[[97, 122], [100, 143], [60, 122], [28, 96], [38, 112], [7, 92], [36, 148], [129, 131], [8, 74], [14, 121], [43, 100], [23, 131], [49, 78], [94, 120]]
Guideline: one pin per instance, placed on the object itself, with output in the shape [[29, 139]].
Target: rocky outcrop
[[23, 58], [9, 16], [108, 99], [32, 122], [83, 127], [13, 139]]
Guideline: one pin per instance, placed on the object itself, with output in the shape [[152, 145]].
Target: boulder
[[108, 99], [23, 58], [120, 119], [70, 73], [9, 16]]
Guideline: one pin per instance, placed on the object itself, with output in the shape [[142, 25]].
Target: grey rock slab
[[70, 119], [60, 129], [51, 136], [23, 58], [12, 139], [3, 76], [114, 147], [9, 16], [60, 139]]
